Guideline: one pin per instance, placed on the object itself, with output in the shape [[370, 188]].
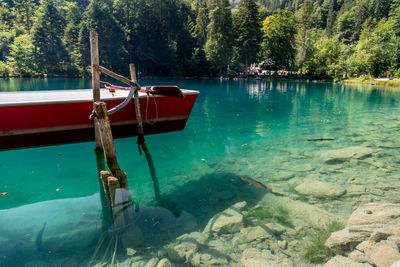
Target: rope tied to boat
[[148, 91]]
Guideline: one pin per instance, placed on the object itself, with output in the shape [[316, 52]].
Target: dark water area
[[263, 130]]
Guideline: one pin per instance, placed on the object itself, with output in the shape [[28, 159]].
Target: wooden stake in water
[[141, 141], [107, 141], [94, 53]]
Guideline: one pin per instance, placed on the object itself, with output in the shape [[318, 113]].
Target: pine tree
[[202, 21], [330, 20], [381, 9], [25, 10], [21, 61], [71, 39], [98, 17], [248, 31], [218, 47], [304, 22], [47, 38]]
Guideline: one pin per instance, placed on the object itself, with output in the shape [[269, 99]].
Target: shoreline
[[394, 82]]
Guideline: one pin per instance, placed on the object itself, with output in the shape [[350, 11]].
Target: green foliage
[[202, 20], [24, 12], [346, 26], [304, 21], [272, 214], [377, 50], [21, 60], [71, 40], [50, 53], [197, 37], [248, 32], [218, 47], [324, 58], [316, 251], [98, 17], [278, 38]]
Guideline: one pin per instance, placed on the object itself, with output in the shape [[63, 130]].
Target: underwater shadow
[[213, 193]]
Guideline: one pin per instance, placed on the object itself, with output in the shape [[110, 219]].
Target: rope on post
[[140, 139]]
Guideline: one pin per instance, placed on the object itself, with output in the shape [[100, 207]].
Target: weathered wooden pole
[[94, 54], [107, 141], [141, 141], [116, 184], [99, 152]]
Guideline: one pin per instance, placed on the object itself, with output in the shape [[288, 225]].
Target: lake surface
[[274, 132]]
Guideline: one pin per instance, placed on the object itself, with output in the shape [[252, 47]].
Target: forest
[[201, 38]]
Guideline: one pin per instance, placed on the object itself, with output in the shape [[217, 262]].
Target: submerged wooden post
[[107, 141], [99, 152], [115, 183], [141, 141]]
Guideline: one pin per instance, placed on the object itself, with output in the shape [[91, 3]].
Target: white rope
[[147, 107]]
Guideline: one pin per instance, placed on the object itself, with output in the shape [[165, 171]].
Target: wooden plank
[[116, 76]]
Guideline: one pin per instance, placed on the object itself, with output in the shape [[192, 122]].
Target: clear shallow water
[[256, 129]]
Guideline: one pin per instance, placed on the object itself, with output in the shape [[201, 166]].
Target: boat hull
[[57, 122]]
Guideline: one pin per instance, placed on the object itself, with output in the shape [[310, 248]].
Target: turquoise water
[[255, 129]]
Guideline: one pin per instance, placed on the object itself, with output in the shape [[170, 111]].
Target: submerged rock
[[312, 215], [152, 262], [206, 259], [254, 258], [340, 261], [358, 256], [373, 220], [130, 252], [227, 221], [355, 190], [375, 216], [320, 189], [383, 254], [194, 237], [344, 237], [254, 233], [275, 228], [164, 263], [182, 252], [345, 154], [283, 244]]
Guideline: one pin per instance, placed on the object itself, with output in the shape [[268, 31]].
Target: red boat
[[41, 118]]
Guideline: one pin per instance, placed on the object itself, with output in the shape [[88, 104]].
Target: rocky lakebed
[[327, 207]]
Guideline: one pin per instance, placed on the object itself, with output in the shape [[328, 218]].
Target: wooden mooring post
[[116, 198], [141, 141], [94, 52]]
